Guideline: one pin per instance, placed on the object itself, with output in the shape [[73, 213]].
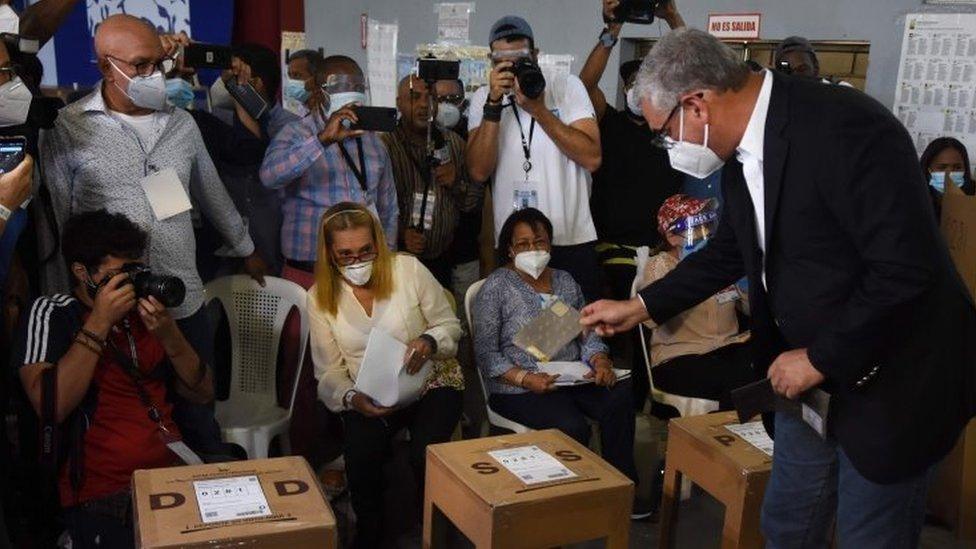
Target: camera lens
[[169, 290], [530, 79]]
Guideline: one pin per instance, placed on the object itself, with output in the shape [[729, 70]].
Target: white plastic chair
[[686, 406], [251, 417], [494, 418]]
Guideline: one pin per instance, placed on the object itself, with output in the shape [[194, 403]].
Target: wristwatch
[[347, 399], [5, 213], [607, 39]]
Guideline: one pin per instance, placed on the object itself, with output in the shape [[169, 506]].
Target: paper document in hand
[[531, 465], [754, 433], [549, 332], [574, 373], [383, 376]]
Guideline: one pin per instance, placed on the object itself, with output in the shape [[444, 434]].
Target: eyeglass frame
[[156, 65], [345, 261], [539, 244], [660, 137]]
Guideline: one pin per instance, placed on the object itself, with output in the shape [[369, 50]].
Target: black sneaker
[[642, 509]]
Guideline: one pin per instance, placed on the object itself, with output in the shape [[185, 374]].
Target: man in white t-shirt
[[540, 150]]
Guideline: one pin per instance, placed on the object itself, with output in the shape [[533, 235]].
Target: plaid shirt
[[313, 178]]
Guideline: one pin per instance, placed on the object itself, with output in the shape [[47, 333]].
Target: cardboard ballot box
[[266, 503], [535, 489], [723, 463]]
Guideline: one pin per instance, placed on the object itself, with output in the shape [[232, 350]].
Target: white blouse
[[418, 305]]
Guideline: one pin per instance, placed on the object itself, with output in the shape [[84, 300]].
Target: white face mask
[[9, 22], [219, 96], [695, 160], [358, 274], [15, 101], [634, 103], [448, 115], [341, 99], [147, 92], [532, 263]]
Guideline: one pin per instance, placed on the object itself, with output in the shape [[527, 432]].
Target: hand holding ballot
[[392, 374]]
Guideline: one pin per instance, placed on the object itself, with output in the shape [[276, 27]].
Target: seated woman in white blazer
[[360, 285]]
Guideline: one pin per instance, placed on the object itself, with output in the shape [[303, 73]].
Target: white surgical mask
[[295, 89], [359, 273], [148, 92], [693, 159], [15, 101], [219, 96], [448, 115], [634, 102], [341, 99], [532, 263]]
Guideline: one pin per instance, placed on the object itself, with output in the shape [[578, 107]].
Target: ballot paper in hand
[[574, 373], [549, 332], [383, 375]]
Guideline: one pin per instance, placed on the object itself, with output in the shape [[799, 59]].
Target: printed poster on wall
[[381, 62], [936, 87]]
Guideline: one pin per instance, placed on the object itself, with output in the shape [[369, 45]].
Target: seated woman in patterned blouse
[[361, 285], [513, 296]]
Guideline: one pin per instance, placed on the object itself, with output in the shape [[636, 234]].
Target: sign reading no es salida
[[738, 26]]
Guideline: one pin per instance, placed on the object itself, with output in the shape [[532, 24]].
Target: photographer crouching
[[99, 366]]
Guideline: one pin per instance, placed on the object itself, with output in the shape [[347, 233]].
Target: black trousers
[[712, 375], [430, 420], [567, 408], [581, 262]]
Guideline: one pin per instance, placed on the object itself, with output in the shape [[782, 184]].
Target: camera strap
[[359, 172], [526, 144], [130, 365]]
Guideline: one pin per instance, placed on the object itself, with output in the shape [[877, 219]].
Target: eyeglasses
[[660, 137], [346, 260], [145, 68], [455, 99], [541, 245]]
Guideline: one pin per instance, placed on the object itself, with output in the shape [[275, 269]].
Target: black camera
[[784, 67], [636, 11], [430, 69], [169, 290], [529, 76]]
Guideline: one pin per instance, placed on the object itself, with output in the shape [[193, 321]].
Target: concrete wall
[[572, 26]]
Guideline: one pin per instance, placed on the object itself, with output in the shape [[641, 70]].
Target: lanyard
[[359, 172], [526, 144], [130, 365]]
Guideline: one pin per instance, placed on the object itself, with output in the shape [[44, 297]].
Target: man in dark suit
[[851, 287]]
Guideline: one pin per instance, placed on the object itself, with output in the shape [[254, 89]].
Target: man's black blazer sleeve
[[700, 275], [875, 192]]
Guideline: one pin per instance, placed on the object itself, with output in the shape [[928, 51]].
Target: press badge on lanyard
[[130, 364], [526, 192]]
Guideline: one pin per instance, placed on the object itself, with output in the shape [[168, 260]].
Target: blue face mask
[[179, 93], [938, 182], [688, 250], [295, 89]]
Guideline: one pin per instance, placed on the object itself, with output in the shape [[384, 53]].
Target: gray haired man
[[852, 289]]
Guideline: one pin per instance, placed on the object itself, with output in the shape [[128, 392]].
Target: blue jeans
[[813, 482]]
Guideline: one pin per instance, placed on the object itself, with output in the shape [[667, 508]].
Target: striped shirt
[[91, 160], [314, 178], [408, 157]]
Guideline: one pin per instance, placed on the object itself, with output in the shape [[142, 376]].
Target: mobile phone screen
[[11, 152]]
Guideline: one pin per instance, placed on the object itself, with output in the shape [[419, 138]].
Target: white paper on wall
[[935, 94], [453, 22], [381, 62]]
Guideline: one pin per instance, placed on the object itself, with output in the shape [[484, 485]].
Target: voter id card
[[546, 334]]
